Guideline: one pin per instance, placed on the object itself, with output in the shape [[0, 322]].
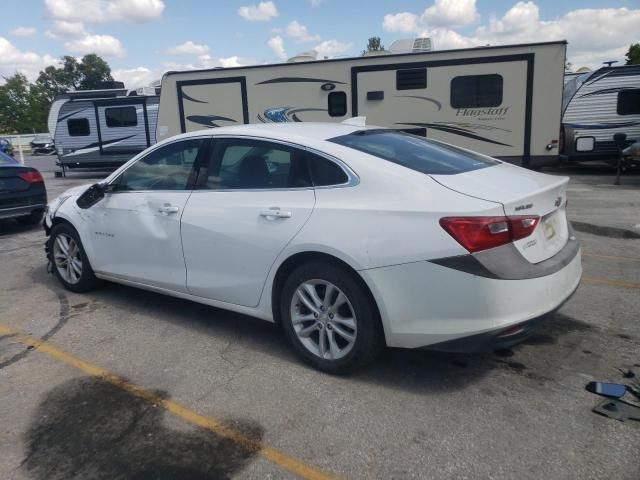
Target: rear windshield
[[417, 153]]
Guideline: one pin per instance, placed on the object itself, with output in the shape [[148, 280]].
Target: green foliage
[[24, 106], [373, 45], [633, 55]]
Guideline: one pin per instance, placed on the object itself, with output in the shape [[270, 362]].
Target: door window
[[121, 117], [167, 168], [254, 164]]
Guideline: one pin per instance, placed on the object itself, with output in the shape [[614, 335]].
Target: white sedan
[[350, 237]]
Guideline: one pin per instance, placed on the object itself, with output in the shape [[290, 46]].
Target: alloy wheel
[[323, 319], [67, 259]]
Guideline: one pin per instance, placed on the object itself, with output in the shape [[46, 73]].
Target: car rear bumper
[[20, 211], [424, 304]]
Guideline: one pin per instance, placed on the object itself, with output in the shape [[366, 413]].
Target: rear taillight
[[481, 233], [31, 177]]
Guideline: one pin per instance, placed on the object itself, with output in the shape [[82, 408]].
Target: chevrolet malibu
[[349, 237]]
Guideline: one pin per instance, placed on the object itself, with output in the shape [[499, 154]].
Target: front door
[[253, 199], [136, 228]]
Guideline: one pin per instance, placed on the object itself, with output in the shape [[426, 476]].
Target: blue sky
[[142, 38]]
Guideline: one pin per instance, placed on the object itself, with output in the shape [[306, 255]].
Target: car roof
[[311, 130]]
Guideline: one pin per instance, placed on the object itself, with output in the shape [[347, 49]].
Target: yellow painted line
[[613, 283], [611, 257], [283, 460]]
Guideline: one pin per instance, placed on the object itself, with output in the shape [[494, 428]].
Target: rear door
[[252, 199], [211, 103], [479, 106]]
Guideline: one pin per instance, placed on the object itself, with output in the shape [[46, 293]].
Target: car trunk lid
[[521, 192]]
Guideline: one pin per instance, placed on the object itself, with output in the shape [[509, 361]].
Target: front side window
[[417, 153], [629, 101], [476, 91], [121, 117], [166, 168], [254, 164], [78, 127]]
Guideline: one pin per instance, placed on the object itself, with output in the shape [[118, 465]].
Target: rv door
[[212, 102], [123, 127], [476, 105]]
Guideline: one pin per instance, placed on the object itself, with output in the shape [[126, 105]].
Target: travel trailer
[[502, 101], [597, 105], [102, 128]]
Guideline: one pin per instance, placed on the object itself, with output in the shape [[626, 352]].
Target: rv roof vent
[[411, 45], [309, 56]]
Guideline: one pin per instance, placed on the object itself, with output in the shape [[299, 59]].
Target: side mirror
[[610, 390], [92, 195]]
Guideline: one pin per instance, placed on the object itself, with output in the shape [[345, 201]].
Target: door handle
[[167, 209], [275, 213]]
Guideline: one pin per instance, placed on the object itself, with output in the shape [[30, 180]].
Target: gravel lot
[[132, 384]]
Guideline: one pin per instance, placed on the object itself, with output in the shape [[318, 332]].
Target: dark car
[[43, 144], [6, 146], [22, 192]]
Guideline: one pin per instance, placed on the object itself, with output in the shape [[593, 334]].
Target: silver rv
[[102, 128]]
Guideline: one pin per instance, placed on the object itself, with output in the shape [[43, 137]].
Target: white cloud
[[449, 13], [136, 77], [13, 60], [23, 31], [331, 48], [594, 35], [207, 61], [62, 29], [262, 12], [103, 45], [100, 11], [300, 33], [443, 13], [277, 45], [403, 22], [188, 48], [316, 3]]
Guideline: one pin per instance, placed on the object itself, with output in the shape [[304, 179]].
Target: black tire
[[87, 281], [369, 339], [33, 218]]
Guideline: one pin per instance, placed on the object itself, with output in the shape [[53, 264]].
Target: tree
[[373, 45], [23, 108], [633, 55], [88, 73]]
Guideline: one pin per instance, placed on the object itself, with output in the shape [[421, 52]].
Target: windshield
[[6, 159], [42, 138], [416, 153]]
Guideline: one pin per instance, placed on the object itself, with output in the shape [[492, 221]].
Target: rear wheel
[[329, 318], [33, 218], [70, 262]]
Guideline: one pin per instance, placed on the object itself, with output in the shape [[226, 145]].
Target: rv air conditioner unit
[[309, 56], [411, 45]]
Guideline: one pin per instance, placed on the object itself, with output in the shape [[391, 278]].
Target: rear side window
[[337, 104], [629, 101], [411, 78], [324, 172], [78, 127], [476, 91], [121, 117], [416, 153]]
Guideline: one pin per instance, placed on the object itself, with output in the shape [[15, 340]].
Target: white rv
[[503, 101], [102, 128], [597, 105]]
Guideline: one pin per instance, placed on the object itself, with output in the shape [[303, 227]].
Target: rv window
[[255, 164], [476, 91], [78, 127], [337, 104], [629, 101], [324, 172], [121, 117], [166, 168], [419, 154], [411, 78]]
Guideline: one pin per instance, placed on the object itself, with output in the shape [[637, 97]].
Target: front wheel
[[70, 262], [329, 318]]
